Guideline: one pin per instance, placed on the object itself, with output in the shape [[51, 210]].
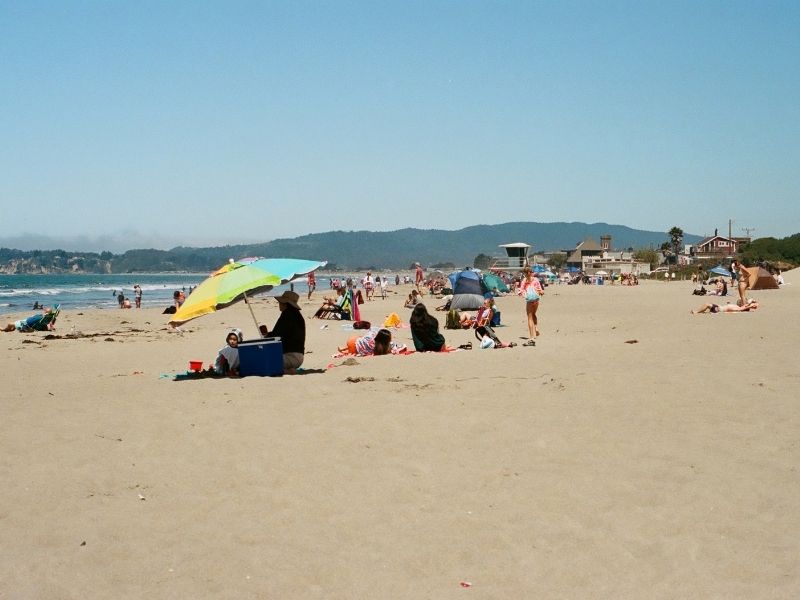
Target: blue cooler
[[261, 357]]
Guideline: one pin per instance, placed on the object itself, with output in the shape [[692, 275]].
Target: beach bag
[[453, 320], [393, 320], [483, 333], [361, 325], [531, 295]]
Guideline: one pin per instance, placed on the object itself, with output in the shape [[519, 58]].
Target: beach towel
[[351, 304]]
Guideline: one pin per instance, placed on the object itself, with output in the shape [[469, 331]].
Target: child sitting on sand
[[413, 299], [227, 362]]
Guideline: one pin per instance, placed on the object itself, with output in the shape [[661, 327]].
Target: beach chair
[[342, 311], [43, 322], [483, 326]]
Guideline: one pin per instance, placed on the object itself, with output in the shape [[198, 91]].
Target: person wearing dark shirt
[[425, 330], [291, 328]]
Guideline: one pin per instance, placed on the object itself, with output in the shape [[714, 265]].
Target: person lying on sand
[[43, 322], [727, 308], [372, 344]]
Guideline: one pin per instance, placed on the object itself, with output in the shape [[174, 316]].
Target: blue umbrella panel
[[720, 270]]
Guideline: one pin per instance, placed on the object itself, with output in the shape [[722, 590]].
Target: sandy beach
[[637, 451]]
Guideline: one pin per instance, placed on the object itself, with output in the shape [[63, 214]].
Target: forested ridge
[[373, 249]]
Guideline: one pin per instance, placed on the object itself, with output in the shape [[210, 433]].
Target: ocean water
[[18, 293]]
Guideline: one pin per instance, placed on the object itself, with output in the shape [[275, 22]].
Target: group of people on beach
[[290, 328], [124, 301], [427, 337], [371, 284], [425, 332], [740, 277]]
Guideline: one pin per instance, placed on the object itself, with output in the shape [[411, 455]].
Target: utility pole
[[748, 230], [731, 250]]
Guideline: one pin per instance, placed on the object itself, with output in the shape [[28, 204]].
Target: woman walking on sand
[[531, 290]]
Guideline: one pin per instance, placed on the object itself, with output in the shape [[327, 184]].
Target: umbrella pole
[[250, 306]]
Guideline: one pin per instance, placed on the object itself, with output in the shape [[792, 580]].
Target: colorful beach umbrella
[[239, 279], [720, 270]]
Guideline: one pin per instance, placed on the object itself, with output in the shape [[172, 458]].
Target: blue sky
[[163, 123]]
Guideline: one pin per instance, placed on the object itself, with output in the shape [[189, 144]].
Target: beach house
[[591, 257], [717, 247]]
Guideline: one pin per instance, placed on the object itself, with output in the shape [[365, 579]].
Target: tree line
[[348, 251]]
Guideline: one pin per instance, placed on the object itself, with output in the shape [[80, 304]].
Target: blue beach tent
[[468, 290]]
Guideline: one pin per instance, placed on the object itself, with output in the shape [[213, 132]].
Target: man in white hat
[[291, 328]]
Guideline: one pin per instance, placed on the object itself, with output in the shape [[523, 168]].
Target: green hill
[[398, 249], [346, 249]]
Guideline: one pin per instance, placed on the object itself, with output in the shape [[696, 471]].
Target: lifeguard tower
[[516, 257]]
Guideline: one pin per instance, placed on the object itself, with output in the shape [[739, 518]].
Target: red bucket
[[195, 365]]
